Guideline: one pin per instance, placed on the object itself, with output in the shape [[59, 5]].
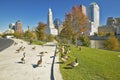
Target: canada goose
[[73, 64], [23, 58], [42, 53], [39, 61], [56, 53], [21, 42], [18, 50], [63, 49], [80, 48], [23, 48], [63, 59], [34, 48], [65, 56], [67, 51], [15, 43]]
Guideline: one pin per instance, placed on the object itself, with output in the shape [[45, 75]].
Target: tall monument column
[[50, 20], [50, 26]]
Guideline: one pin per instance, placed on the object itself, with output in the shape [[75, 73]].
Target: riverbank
[[98, 37], [102, 37]]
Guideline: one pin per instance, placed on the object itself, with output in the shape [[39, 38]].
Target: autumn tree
[[78, 19], [111, 43], [74, 23], [40, 31], [28, 34]]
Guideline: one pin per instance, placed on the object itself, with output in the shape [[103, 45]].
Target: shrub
[[95, 34], [100, 33], [85, 41], [110, 34], [111, 43]]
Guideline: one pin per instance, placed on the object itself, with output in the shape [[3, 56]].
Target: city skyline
[[30, 12]]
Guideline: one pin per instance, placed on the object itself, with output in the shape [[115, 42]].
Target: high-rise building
[[12, 26], [18, 27], [83, 9], [57, 23], [93, 14], [50, 26], [113, 22]]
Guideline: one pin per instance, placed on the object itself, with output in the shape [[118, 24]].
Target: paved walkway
[[11, 67], [57, 74]]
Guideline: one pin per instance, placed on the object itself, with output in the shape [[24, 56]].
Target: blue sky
[[30, 12]]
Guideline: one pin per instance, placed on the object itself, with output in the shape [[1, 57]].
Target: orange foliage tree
[[74, 23]]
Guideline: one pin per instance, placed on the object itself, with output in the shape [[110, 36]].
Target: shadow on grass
[[59, 62], [49, 45], [67, 67]]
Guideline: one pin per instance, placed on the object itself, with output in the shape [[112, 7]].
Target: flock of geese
[[23, 59], [64, 51]]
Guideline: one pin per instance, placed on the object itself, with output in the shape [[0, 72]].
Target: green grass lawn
[[36, 42], [94, 64]]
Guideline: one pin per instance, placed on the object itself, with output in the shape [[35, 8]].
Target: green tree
[[34, 35], [111, 43], [50, 38], [28, 34], [17, 34], [95, 34], [40, 31]]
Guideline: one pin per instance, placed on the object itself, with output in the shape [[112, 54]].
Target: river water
[[96, 44]]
